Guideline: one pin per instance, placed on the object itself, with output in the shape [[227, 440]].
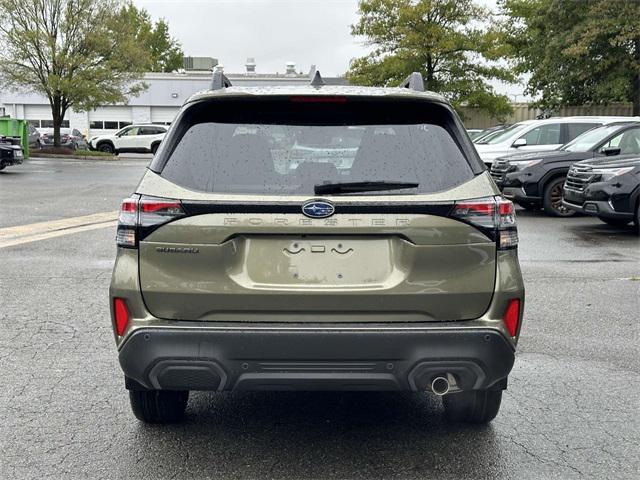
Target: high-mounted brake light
[[121, 315], [139, 216], [495, 216], [318, 99], [512, 316]]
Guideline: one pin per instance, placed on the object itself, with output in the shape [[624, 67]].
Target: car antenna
[[414, 82], [219, 79], [317, 80]]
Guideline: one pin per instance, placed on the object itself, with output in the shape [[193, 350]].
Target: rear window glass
[[289, 148]]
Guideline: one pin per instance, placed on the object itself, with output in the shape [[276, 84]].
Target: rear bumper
[[192, 357]]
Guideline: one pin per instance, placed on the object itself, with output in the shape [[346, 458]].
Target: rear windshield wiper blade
[[328, 188]]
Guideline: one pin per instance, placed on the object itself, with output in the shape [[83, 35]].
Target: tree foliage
[[448, 41], [576, 51], [77, 53], [165, 52]]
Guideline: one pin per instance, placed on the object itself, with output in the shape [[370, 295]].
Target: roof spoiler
[[219, 79], [414, 82]]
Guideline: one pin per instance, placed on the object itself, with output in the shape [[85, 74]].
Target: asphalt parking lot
[[571, 410]]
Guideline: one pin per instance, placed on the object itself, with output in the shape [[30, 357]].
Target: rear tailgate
[[245, 251], [286, 267]]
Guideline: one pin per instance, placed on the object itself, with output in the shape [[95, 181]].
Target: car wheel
[[475, 406], [106, 148], [158, 406], [615, 222], [552, 200], [636, 220], [2, 167], [154, 148]]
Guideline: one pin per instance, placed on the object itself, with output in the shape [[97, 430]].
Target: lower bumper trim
[[375, 360]]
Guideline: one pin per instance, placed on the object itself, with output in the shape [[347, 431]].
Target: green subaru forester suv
[[316, 238]]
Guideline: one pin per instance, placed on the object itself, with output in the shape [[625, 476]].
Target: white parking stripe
[[33, 232]]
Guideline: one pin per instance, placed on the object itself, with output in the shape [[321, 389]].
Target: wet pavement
[[571, 410]]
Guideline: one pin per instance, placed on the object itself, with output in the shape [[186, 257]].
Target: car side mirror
[[521, 142], [611, 151]]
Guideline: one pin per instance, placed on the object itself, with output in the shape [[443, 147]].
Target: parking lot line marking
[[48, 226], [33, 232]]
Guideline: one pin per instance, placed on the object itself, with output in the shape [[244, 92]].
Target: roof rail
[[414, 82], [317, 80], [219, 79]]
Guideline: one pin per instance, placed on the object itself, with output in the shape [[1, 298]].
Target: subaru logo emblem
[[318, 209]]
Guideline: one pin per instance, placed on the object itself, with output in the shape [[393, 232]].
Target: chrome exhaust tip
[[440, 386]]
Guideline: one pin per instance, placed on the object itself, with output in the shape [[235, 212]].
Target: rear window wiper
[[370, 186]]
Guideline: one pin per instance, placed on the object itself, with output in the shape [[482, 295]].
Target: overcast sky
[[272, 31]]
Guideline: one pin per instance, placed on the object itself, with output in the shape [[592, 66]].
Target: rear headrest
[[250, 155], [378, 150]]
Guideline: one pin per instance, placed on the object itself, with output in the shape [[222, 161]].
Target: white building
[[158, 104]]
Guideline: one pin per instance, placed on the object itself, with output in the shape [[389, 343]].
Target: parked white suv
[[131, 139], [536, 135]]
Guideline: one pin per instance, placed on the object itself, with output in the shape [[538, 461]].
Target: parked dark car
[[10, 151], [69, 138], [535, 179], [608, 188]]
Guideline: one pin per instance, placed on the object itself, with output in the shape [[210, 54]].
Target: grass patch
[[68, 152]]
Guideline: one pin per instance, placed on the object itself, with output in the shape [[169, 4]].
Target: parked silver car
[[69, 138]]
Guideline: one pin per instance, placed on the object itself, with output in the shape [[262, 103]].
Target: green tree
[[448, 41], [165, 52], [78, 53], [576, 51]]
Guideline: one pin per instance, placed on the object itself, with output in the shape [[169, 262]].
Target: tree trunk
[[430, 73], [635, 96], [58, 117]]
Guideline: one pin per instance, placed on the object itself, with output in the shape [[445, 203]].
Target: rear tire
[[475, 406], [552, 199], [158, 406], [614, 222], [636, 220]]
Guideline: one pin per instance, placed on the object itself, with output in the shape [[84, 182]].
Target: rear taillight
[[494, 216], [121, 315], [512, 317], [139, 216]]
